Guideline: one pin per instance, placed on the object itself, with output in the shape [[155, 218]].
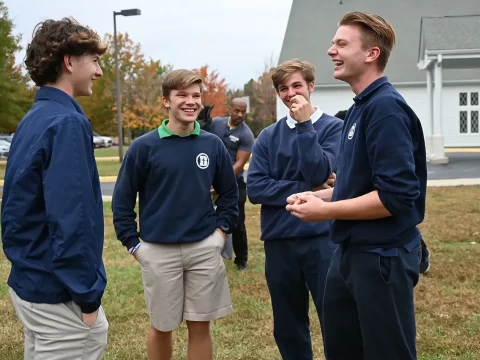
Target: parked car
[[4, 148], [7, 138], [100, 141]]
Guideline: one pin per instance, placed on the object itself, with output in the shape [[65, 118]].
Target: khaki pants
[[56, 331]]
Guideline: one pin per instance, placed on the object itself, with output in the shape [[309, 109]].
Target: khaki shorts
[[56, 331], [184, 282]]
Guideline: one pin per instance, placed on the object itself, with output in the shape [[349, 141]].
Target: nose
[[291, 92], [190, 100], [98, 71], [332, 51]]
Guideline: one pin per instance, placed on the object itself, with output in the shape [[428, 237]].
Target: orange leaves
[[214, 91]]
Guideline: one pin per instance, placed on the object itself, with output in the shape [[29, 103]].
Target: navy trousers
[[293, 269], [368, 309]]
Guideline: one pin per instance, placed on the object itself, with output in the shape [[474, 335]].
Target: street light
[[129, 12]]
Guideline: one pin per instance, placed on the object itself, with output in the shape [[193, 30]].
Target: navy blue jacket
[[286, 161], [52, 210], [172, 177], [383, 149]]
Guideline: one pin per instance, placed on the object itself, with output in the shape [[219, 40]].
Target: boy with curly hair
[[52, 210]]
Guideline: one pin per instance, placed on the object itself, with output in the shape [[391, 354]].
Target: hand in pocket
[[89, 319]]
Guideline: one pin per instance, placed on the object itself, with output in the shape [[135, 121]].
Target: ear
[[166, 102], [311, 87], [372, 55], [68, 63]]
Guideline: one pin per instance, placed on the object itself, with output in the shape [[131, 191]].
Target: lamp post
[[129, 12]]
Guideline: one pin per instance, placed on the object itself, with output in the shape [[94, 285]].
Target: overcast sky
[[234, 37]]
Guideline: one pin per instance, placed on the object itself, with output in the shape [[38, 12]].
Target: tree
[[262, 100], [16, 95], [214, 91], [140, 83]]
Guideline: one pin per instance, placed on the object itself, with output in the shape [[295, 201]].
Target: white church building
[[435, 64]]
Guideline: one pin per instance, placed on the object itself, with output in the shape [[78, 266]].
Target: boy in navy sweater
[[52, 209], [172, 169], [298, 153], [377, 203]]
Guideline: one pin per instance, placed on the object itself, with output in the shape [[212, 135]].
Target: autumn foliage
[[140, 86], [214, 91]]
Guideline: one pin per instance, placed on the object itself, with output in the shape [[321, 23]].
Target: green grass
[[105, 168], [108, 168], [109, 152], [447, 298]]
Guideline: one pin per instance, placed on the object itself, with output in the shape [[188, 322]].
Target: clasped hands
[[307, 206]]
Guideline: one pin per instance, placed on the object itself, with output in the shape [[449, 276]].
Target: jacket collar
[[54, 94], [370, 89]]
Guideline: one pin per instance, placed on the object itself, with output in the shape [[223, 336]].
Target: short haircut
[[281, 73], [54, 39], [179, 80], [375, 31]]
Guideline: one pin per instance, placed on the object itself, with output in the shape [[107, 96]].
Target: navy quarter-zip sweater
[[52, 209], [288, 159], [172, 176], [382, 149]]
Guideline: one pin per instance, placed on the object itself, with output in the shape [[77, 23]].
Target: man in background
[[238, 139]]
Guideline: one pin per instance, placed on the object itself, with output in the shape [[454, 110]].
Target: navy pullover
[[382, 149], [52, 209], [172, 176], [286, 161]]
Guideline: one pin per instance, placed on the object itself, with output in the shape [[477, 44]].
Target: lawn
[[105, 168], [109, 152], [447, 299]]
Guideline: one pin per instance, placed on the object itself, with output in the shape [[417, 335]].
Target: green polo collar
[[164, 131]]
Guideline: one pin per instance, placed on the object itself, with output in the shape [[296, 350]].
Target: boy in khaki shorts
[[172, 169]]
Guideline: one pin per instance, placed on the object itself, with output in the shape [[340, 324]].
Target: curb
[[454, 182]]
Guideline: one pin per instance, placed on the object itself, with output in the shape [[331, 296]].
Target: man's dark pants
[[239, 235], [293, 268], [368, 309]]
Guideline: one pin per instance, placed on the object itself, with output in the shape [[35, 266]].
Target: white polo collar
[[315, 116]]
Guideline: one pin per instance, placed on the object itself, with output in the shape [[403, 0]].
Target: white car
[[101, 141], [4, 148]]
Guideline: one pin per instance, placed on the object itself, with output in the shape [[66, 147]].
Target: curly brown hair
[[52, 40]]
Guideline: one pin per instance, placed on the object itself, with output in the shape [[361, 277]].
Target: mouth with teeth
[[338, 64], [189, 111]]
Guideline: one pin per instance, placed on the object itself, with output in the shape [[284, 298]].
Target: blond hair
[[179, 80], [283, 71], [375, 31]]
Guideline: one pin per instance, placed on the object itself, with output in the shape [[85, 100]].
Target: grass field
[[105, 168], [447, 299], [108, 152]]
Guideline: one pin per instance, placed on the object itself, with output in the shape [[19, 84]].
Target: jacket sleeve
[[69, 195], [225, 185], [317, 162], [261, 186], [391, 155], [124, 199]]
